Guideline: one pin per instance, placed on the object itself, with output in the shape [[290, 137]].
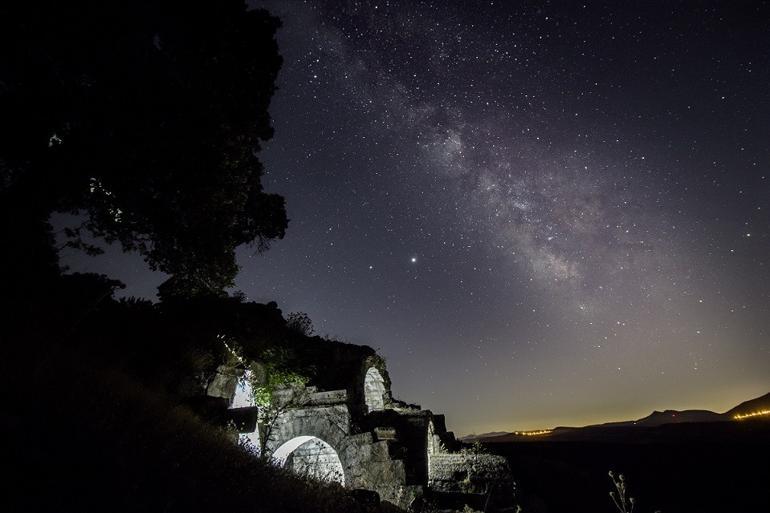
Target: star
[[492, 169]]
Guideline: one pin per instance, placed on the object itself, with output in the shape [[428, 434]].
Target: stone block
[[468, 473], [385, 433]]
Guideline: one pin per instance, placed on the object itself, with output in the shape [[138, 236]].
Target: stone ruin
[[347, 427]]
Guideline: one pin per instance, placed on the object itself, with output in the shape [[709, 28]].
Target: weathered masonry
[[347, 427]]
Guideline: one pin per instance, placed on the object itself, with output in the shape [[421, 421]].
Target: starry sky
[[540, 213]]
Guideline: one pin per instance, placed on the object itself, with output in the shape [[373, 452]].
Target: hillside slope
[[753, 405], [100, 441]]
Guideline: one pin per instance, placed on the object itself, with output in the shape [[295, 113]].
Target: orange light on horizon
[[533, 433], [752, 414]]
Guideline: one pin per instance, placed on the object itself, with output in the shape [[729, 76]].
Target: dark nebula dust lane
[[541, 213]]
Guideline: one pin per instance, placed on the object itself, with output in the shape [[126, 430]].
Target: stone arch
[[312, 457], [329, 422], [374, 390]]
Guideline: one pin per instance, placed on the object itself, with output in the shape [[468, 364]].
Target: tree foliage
[[148, 117], [301, 323]]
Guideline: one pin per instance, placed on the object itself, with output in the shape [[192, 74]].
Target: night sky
[[540, 213]]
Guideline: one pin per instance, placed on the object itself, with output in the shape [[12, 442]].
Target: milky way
[[540, 213]]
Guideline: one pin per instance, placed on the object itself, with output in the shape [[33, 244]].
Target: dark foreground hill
[[714, 467], [744, 410], [691, 461], [83, 438]]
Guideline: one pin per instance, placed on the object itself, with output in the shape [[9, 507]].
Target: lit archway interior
[[244, 397], [312, 457], [244, 392], [374, 390]]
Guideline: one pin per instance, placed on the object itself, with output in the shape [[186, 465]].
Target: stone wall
[[329, 423], [224, 382], [375, 443], [468, 473], [369, 465], [317, 460]]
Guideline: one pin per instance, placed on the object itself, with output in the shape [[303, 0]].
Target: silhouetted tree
[[147, 116], [300, 322]]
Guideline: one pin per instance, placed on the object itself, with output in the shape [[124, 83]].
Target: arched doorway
[[312, 457], [433, 446], [374, 390], [244, 398], [244, 392]]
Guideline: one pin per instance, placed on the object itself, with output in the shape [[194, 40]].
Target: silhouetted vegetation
[[145, 116], [88, 438], [145, 119], [696, 467], [301, 322], [109, 412]]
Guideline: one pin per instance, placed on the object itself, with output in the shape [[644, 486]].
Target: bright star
[[413, 259]]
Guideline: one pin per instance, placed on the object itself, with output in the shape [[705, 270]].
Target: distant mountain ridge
[[752, 405], [491, 434], [656, 418]]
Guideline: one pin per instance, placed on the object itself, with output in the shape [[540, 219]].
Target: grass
[[89, 439]]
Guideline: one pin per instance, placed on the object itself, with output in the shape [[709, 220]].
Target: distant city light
[[752, 414], [533, 433]]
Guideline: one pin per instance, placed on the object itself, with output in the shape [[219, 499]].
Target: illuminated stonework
[[244, 392], [312, 457], [374, 390], [357, 435]]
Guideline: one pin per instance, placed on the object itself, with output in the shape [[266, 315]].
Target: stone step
[[310, 397], [385, 433]]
